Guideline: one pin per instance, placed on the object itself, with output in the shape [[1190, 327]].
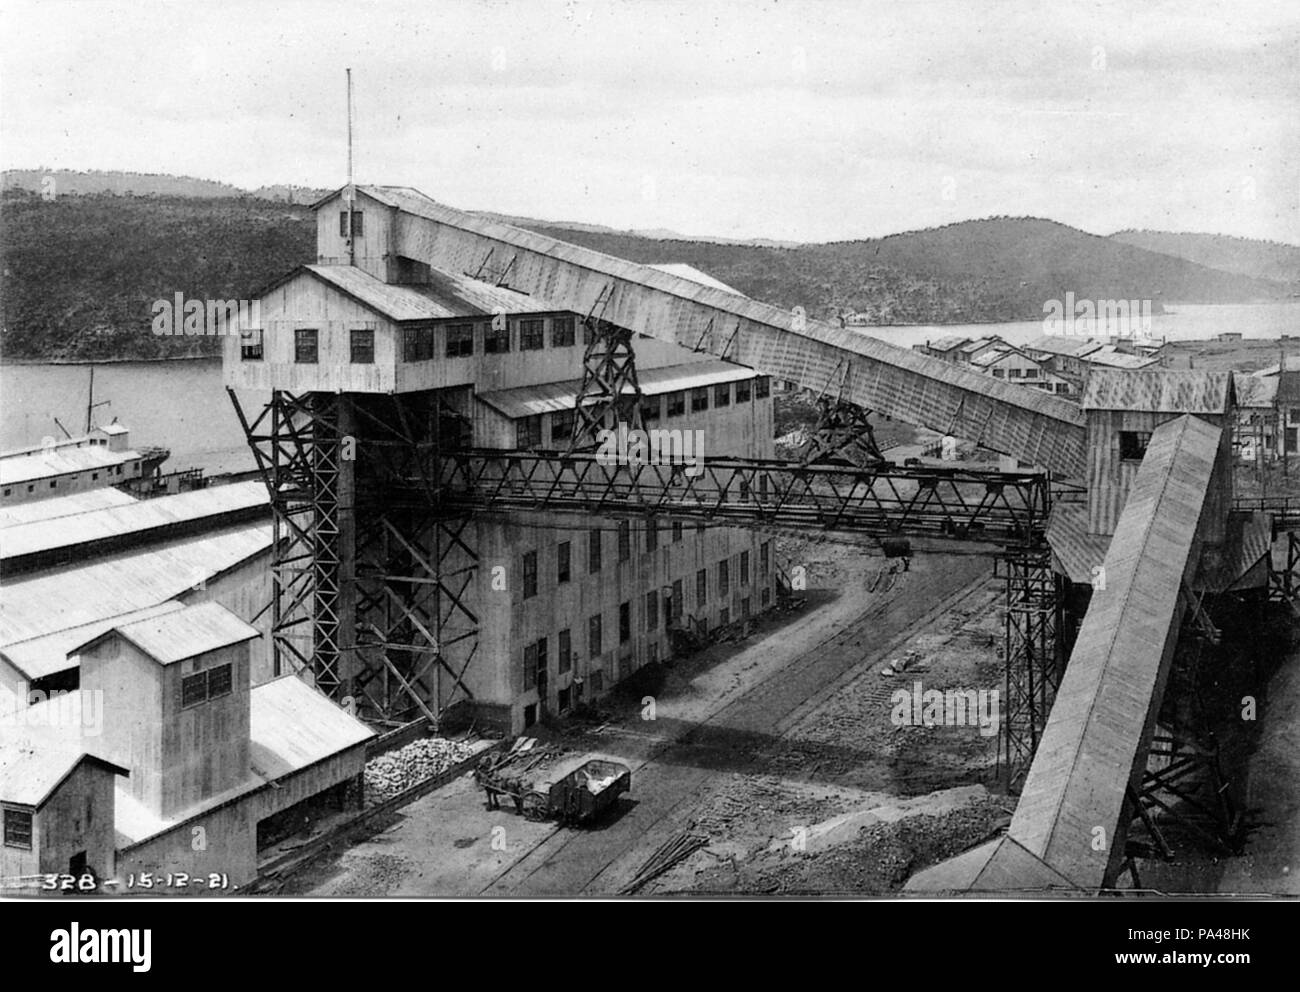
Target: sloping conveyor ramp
[[1041, 429], [1069, 827]]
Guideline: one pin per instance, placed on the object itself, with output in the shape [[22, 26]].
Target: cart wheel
[[534, 807]]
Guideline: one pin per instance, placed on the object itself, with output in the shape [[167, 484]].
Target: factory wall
[[245, 591], [78, 817], [131, 686]]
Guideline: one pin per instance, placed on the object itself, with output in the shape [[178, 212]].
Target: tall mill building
[[370, 367]]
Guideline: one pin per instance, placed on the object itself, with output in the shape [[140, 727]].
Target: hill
[[1259, 259], [82, 271], [64, 182]]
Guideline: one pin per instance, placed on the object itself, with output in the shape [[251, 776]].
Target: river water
[[183, 406]]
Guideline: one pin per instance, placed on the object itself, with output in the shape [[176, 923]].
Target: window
[[722, 394], [530, 574], [202, 686], [724, 577], [676, 404], [530, 714], [1031, 373], [742, 391], [593, 636], [305, 346], [724, 617], [762, 387], [562, 555], [650, 407], [624, 540], [699, 400], [999, 373], [744, 568], [677, 531], [363, 347], [528, 432], [18, 829], [1015, 373], [1133, 444], [496, 338], [675, 608], [593, 551], [530, 335], [460, 340], [417, 344], [651, 610], [562, 332], [564, 699], [764, 558], [530, 666], [701, 587], [218, 681], [765, 597], [566, 652], [250, 345], [624, 622], [358, 226], [562, 427], [651, 535]]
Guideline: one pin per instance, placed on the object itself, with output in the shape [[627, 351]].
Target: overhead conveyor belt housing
[[1041, 429], [1070, 824]]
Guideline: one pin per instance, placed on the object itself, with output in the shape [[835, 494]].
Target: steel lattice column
[[610, 393], [1031, 655]]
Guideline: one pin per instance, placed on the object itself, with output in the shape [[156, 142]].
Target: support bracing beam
[[1032, 655], [610, 393]]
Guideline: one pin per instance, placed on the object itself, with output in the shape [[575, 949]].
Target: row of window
[[595, 544], [657, 613], [110, 471], [529, 430]]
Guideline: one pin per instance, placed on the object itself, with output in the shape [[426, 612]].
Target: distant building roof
[[1254, 390], [58, 599], [136, 521], [292, 726], [34, 760], [1288, 387], [68, 505], [182, 634], [1111, 357], [1062, 344], [1160, 391], [446, 296], [945, 344], [551, 397], [694, 274], [45, 463]]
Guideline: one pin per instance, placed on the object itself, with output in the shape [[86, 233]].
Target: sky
[[800, 121]]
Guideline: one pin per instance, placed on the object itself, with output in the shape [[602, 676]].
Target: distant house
[[1114, 357], [1010, 363], [1256, 434], [945, 348], [962, 351], [1062, 353]]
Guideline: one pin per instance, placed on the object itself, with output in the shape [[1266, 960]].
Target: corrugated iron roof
[[691, 272], [446, 295], [552, 397], [74, 595], [43, 656], [45, 463], [1111, 357], [1157, 391], [293, 726], [946, 344], [135, 518], [1062, 344], [1255, 391], [182, 634], [35, 758], [63, 506]]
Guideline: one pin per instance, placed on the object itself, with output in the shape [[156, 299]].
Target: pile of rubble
[[394, 772]]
